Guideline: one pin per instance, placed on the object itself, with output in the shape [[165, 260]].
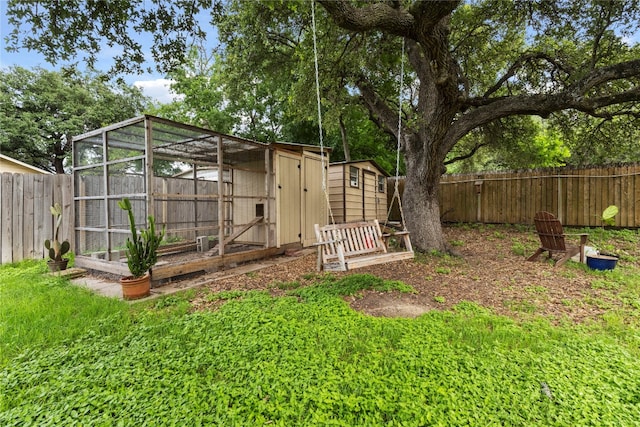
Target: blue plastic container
[[601, 262]]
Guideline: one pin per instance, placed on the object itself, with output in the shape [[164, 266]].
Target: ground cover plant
[[40, 310], [300, 355]]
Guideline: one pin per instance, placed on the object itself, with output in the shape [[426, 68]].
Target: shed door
[[315, 201], [289, 202], [369, 194]]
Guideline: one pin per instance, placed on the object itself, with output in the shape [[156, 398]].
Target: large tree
[[213, 93], [469, 64], [562, 55], [41, 110]]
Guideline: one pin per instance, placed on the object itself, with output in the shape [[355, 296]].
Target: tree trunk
[[422, 212], [424, 165], [58, 164], [423, 219], [61, 148], [345, 141]]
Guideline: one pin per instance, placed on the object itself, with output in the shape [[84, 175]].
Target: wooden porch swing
[[343, 247]]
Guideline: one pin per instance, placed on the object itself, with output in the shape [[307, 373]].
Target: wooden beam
[[237, 234], [113, 267], [267, 192], [148, 182], [162, 271], [221, 209]]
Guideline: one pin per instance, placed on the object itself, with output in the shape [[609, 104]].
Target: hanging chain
[[317, 75], [396, 192]]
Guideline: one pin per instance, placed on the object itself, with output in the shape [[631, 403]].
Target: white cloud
[[631, 40], [158, 89]]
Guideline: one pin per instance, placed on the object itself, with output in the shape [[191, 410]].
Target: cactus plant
[[55, 248], [141, 249]]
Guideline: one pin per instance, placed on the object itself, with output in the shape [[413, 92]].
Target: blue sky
[[154, 84]]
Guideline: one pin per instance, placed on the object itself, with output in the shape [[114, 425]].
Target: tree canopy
[[42, 110], [471, 66]]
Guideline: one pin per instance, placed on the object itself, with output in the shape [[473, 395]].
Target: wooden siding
[[363, 202], [369, 195], [249, 191], [335, 189], [11, 165]]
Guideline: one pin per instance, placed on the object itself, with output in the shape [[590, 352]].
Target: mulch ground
[[491, 271]]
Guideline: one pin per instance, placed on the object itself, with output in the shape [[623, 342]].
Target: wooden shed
[[223, 199], [357, 191]]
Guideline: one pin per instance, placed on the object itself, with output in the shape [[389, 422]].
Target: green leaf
[[609, 213]]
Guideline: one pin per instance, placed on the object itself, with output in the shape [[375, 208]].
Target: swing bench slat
[[343, 247]]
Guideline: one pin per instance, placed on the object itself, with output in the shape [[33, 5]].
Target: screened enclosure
[[215, 194]]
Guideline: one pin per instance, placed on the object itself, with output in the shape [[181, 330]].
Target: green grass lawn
[[69, 357]]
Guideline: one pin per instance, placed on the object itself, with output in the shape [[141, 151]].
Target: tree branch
[[590, 106], [383, 115], [377, 16], [390, 16], [598, 76], [539, 104], [523, 60], [579, 89], [606, 15], [466, 156], [417, 59]]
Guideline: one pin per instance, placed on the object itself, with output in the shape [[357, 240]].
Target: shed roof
[[9, 164], [373, 162], [175, 140], [294, 146]]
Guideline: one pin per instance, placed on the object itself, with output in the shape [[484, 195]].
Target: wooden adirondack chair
[[552, 239]]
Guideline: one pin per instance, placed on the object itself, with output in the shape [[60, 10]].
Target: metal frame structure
[[195, 182]]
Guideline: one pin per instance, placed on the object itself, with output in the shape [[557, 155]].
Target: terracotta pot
[[57, 265], [136, 288]]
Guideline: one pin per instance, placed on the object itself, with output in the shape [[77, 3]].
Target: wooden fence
[[576, 196], [25, 215]]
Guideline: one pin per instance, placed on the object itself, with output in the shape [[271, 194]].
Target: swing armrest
[[397, 233], [328, 242]]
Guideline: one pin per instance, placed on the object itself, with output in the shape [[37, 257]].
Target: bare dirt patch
[[491, 271]]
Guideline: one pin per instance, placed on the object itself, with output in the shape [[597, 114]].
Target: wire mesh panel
[[88, 151], [188, 208]]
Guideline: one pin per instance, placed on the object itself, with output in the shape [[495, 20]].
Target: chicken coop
[[222, 199]]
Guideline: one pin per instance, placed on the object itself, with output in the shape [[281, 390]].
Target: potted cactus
[[142, 254], [56, 249]]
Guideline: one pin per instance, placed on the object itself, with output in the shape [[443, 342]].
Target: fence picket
[[39, 232], [28, 222], [18, 220], [635, 202], [6, 213]]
